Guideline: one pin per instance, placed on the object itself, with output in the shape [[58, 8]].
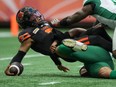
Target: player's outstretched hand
[[62, 68], [7, 72]]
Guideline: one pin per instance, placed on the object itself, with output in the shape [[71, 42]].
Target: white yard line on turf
[[26, 64], [28, 56], [49, 83]]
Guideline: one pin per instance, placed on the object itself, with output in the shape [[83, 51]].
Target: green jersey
[[104, 11]]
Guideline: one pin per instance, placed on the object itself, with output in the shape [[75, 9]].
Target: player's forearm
[[22, 51], [77, 17], [25, 46], [56, 60]]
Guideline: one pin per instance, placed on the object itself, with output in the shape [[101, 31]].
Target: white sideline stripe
[[28, 56], [49, 83], [5, 34], [26, 64]]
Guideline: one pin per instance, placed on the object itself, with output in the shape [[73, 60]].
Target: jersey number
[[24, 37]]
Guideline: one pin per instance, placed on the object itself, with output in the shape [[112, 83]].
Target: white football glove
[[55, 22]]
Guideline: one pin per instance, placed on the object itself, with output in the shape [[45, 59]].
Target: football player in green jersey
[[103, 10], [98, 63]]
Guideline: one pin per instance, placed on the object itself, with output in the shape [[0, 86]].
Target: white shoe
[[75, 45]]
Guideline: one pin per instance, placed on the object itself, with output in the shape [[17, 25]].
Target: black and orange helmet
[[29, 17]]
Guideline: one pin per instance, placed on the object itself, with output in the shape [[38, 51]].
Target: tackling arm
[[78, 16]]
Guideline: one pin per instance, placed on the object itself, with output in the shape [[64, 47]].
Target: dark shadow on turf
[[51, 75]]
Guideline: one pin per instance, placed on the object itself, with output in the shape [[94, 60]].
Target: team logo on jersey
[[36, 30], [47, 29]]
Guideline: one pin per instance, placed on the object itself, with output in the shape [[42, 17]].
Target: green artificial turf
[[40, 71]]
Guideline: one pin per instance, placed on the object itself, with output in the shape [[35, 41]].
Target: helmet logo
[[20, 15], [47, 29]]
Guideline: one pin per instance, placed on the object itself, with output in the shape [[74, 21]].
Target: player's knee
[[104, 72]]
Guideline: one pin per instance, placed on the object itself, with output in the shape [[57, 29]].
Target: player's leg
[[96, 40], [91, 55], [86, 52], [114, 44], [75, 32], [102, 32], [98, 30], [107, 72], [102, 70], [100, 41]]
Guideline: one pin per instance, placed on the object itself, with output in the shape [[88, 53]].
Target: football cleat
[[69, 42], [75, 45]]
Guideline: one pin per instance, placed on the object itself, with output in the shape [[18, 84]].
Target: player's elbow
[[87, 10]]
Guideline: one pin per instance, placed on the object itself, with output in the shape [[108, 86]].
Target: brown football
[[16, 68]]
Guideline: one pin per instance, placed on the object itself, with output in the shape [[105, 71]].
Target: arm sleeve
[[18, 57], [55, 59]]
